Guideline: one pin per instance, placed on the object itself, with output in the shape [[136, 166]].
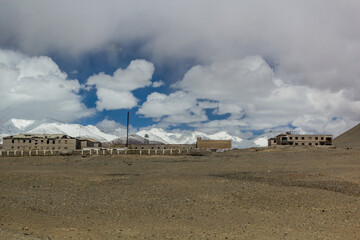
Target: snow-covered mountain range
[[151, 135]]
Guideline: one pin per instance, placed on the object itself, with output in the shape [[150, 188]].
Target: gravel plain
[[275, 193]]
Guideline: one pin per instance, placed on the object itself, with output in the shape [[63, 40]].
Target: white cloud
[[248, 90], [112, 100], [178, 107], [312, 43], [158, 84], [237, 79], [35, 87], [114, 92], [312, 46], [113, 127]]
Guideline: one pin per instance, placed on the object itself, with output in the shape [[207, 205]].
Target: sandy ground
[[241, 194]]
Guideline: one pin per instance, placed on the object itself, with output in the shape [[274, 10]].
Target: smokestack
[[127, 130]]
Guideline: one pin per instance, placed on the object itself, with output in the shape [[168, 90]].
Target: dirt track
[[243, 194]]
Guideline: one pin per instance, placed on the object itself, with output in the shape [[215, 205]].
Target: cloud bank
[[35, 88], [249, 91], [258, 64], [313, 43]]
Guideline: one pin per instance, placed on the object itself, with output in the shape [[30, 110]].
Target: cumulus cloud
[[35, 87], [249, 91], [113, 127], [114, 92], [312, 51], [312, 43], [229, 80], [158, 84], [177, 107]]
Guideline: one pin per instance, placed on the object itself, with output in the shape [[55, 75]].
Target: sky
[[243, 66]]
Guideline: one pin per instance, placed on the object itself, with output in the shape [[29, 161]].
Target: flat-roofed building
[[28, 142], [301, 140]]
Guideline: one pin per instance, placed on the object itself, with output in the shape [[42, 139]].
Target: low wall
[[102, 151]]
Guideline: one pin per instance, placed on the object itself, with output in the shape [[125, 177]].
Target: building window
[[322, 138], [12, 147], [158, 147], [290, 138], [59, 141], [296, 144], [310, 138], [316, 138], [24, 141], [310, 143], [164, 147], [152, 147], [47, 141], [302, 138], [29, 141], [316, 144], [142, 147], [53, 141], [296, 138], [302, 143], [135, 147], [42, 141], [12, 141]]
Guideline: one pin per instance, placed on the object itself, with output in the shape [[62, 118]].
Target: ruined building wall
[[213, 144]]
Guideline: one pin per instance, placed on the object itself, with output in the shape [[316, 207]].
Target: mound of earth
[[350, 138]]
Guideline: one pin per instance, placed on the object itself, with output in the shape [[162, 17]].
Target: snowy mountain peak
[[73, 130], [151, 135]]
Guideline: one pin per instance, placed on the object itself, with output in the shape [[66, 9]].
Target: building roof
[[30, 136], [289, 133], [89, 139]]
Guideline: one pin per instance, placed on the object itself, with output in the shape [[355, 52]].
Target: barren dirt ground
[[241, 194]]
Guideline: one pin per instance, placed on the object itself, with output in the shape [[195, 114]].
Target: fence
[[102, 151]]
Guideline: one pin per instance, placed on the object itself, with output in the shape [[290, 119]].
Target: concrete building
[[89, 142], [213, 144], [27, 142], [301, 140]]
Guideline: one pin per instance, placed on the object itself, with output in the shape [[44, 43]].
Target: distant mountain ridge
[[153, 135]]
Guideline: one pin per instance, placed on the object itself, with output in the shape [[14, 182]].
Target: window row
[[42, 141]]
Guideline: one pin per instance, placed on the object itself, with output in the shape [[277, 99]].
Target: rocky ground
[[289, 193]]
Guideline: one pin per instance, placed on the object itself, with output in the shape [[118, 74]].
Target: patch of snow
[[261, 142]]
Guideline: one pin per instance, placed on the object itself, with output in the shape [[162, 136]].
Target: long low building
[[53, 142], [301, 140]]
